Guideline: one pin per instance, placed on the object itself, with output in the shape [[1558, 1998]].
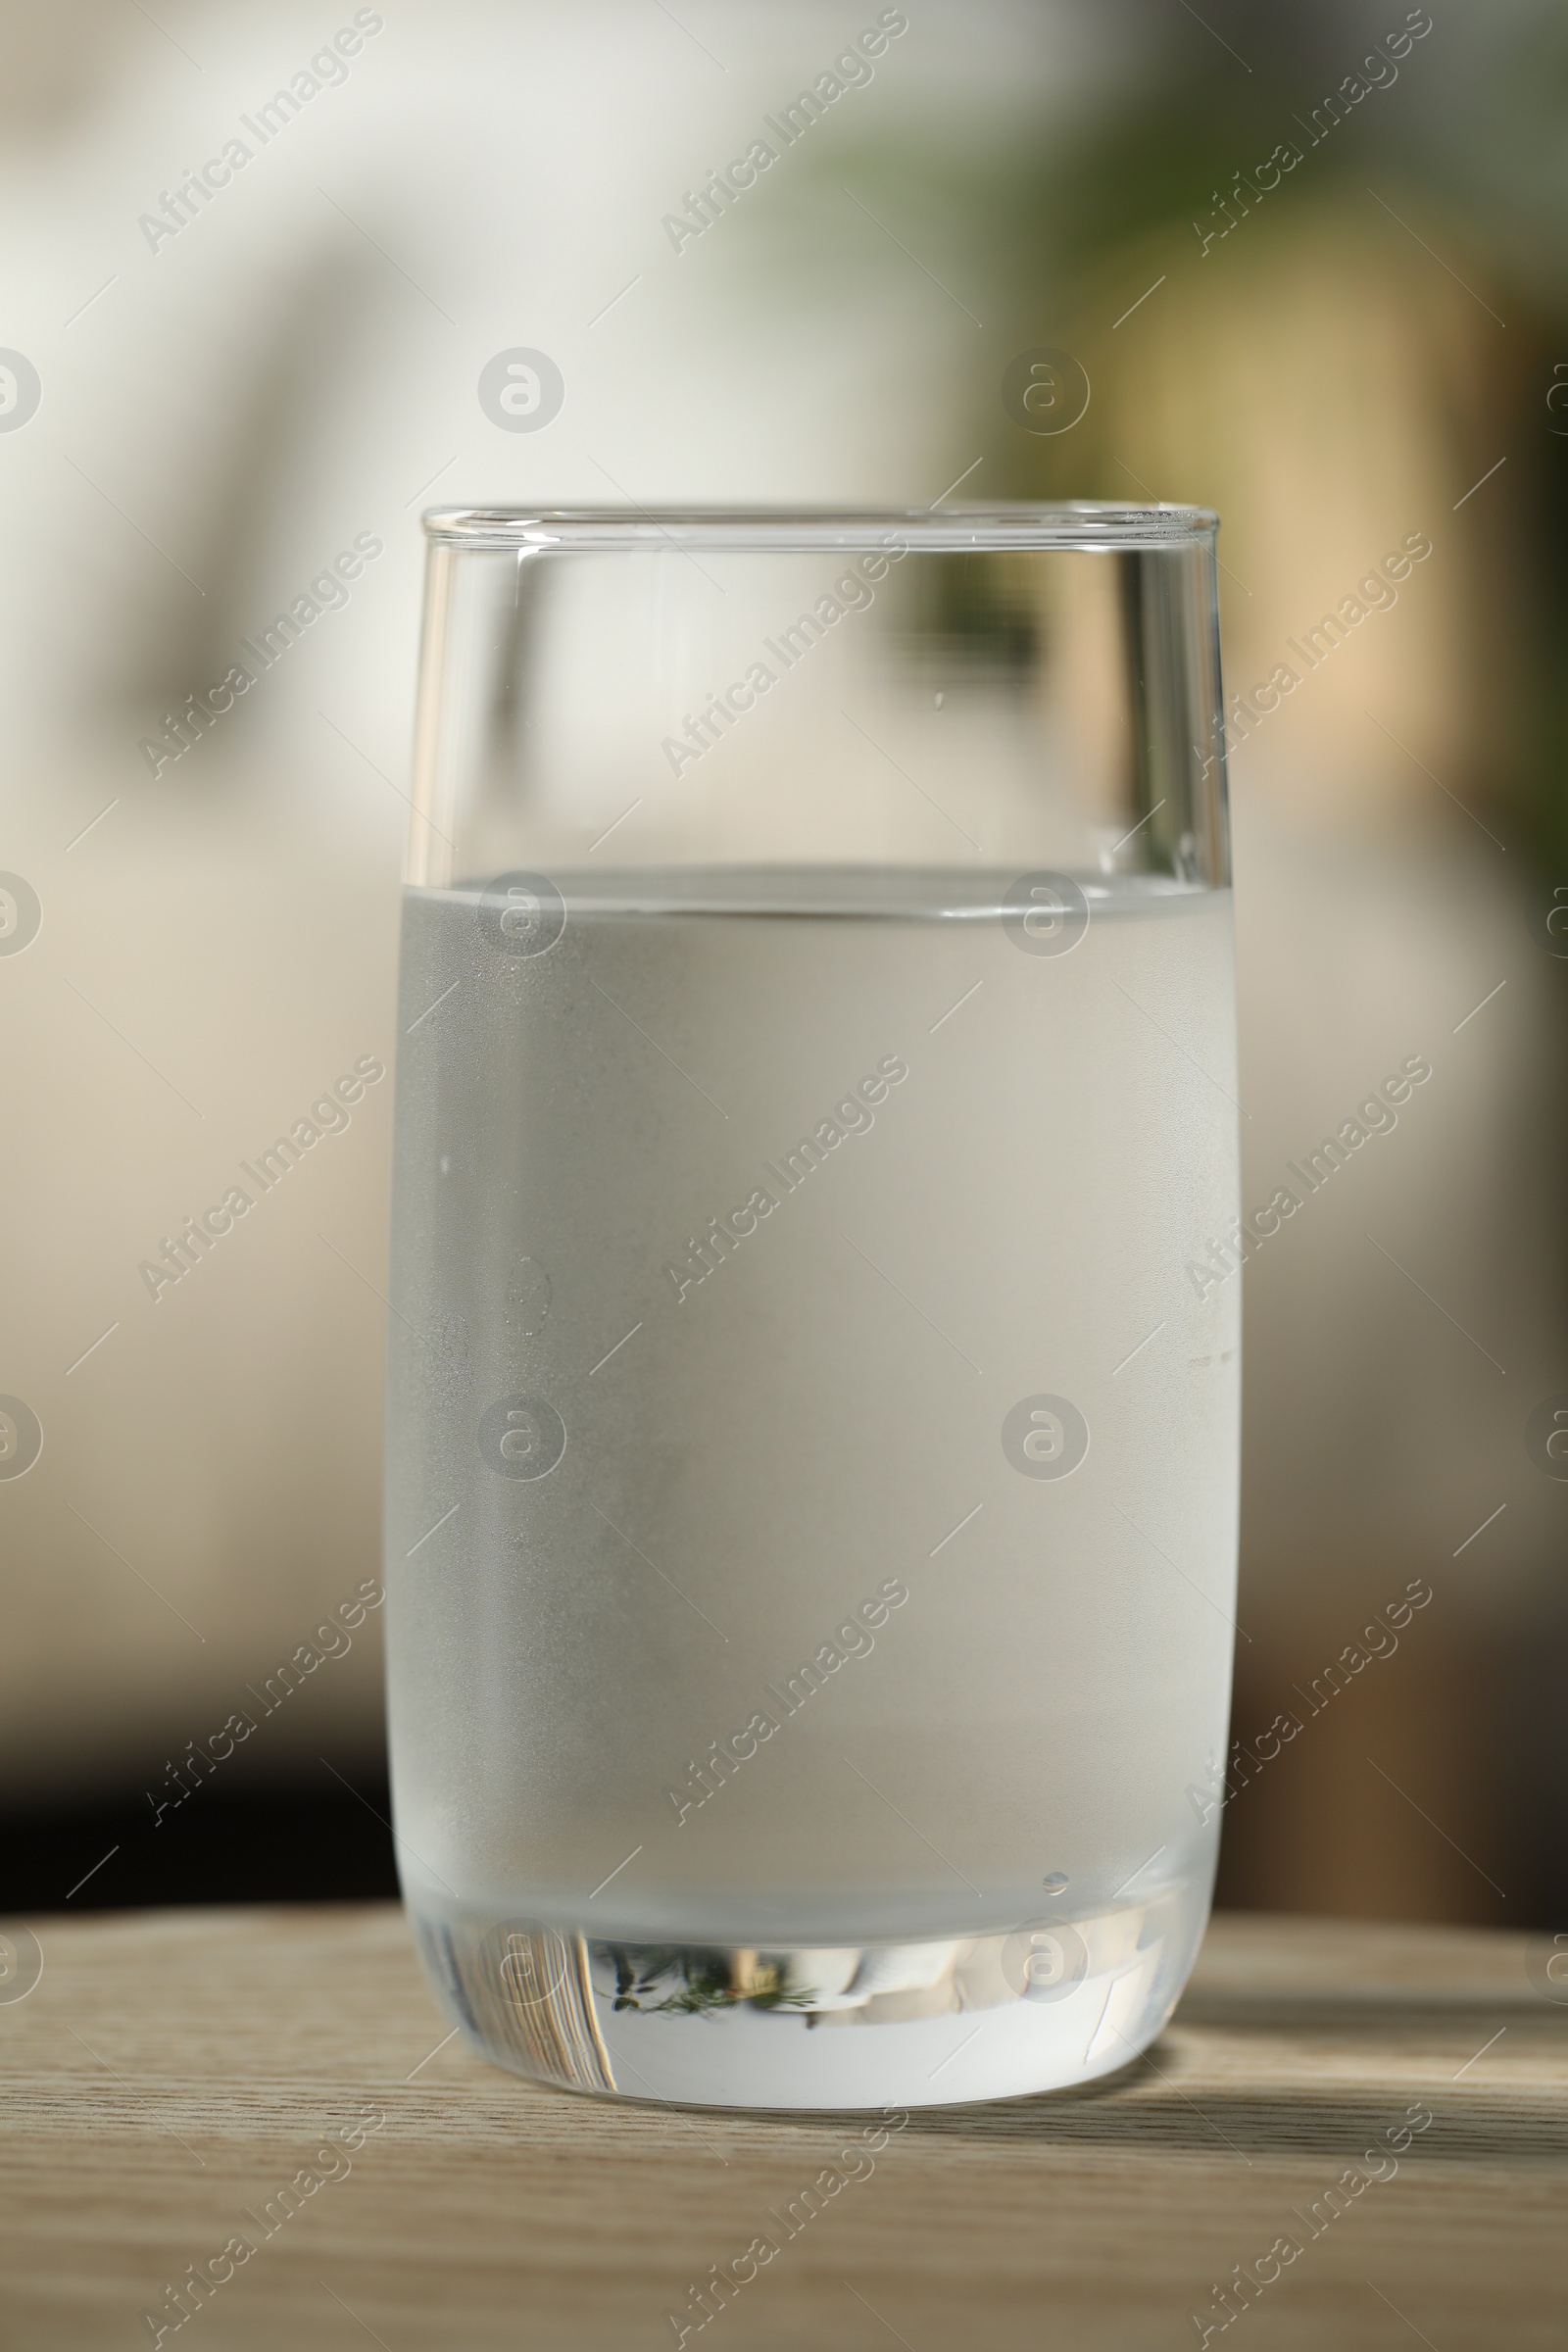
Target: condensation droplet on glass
[[1055, 1884], [939, 702], [446, 1164]]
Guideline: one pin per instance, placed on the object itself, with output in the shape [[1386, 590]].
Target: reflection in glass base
[[936, 2023]]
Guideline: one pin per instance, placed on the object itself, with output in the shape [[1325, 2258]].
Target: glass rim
[[745, 530]]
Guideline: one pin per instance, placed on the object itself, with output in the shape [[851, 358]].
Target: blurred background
[[1311, 262]]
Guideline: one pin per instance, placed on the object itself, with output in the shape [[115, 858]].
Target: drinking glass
[[812, 1416]]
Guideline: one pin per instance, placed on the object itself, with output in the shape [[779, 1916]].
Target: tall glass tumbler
[[813, 1423]]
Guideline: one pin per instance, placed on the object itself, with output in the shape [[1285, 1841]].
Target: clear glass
[[812, 1415]]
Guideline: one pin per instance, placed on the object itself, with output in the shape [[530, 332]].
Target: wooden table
[[171, 2070]]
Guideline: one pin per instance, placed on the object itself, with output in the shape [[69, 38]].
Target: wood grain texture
[[171, 2070]]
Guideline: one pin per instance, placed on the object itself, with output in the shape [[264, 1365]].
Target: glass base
[[879, 2025]]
